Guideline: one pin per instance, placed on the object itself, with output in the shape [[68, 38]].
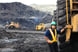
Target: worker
[[51, 36]]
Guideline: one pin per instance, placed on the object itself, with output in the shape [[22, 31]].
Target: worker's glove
[[65, 27], [68, 26], [50, 41]]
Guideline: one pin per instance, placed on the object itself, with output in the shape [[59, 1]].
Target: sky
[[29, 2]]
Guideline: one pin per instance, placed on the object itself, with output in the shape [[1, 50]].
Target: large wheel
[[62, 21], [12, 27], [42, 29]]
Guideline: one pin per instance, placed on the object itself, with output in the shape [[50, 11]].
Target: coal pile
[[6, 35], [20, 42], [32, 43], [19, 12]]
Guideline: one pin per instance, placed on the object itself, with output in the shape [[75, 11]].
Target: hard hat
[[53, 23]]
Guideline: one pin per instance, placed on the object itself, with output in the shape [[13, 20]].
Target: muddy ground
[[22, 42]]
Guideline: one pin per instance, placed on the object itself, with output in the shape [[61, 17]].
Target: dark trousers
[[53, 47]]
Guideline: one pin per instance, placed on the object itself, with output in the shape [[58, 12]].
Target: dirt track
[[22, 42]]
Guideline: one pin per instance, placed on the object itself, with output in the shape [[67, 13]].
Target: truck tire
[[12, 27], [62, 21]]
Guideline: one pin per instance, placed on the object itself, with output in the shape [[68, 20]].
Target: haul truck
[[42, 26], [67, 12], [12, 25]]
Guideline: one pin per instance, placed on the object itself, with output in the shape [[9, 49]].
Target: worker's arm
[[49, 41], [47, 34], [62, 30]]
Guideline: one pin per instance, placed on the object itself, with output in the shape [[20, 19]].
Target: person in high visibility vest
[[51, 36]]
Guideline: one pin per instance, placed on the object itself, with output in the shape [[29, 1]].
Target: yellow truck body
[[74, 14], [12, 25], [43, 26], [40, 27]]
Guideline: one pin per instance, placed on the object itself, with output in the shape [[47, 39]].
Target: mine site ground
[[22, 41]]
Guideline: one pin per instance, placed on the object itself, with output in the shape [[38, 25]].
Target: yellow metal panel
[[74, 23], [71, 6]]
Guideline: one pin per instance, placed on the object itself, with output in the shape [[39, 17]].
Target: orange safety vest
[[52, 34]]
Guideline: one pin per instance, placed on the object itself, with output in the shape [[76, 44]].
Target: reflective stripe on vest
[[52, 34]]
